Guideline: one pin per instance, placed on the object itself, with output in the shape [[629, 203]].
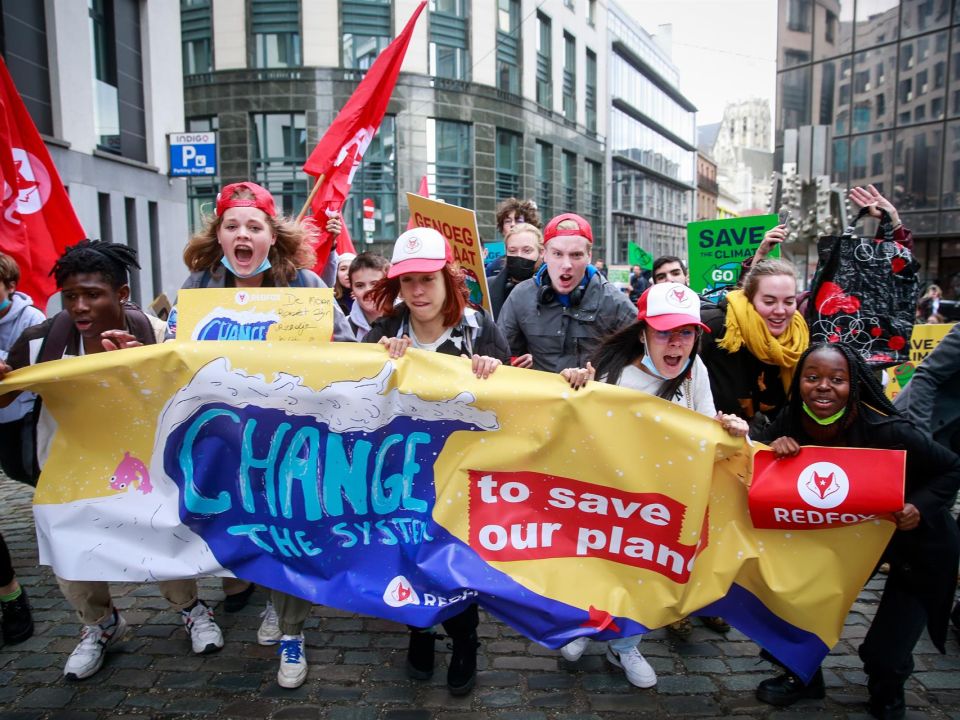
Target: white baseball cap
[[420, 250], [666, 306]]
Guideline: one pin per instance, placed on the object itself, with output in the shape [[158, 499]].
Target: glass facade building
[[652, 151], [883, 76]]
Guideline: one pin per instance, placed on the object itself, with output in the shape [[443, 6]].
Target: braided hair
[[112, 260], [864, 386]]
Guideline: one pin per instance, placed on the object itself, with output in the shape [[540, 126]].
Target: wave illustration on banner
[[403, 489]]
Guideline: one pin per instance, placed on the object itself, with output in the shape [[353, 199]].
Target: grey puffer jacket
[[562, 337]]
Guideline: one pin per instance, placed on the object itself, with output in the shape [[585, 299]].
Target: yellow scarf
[[744, 326]]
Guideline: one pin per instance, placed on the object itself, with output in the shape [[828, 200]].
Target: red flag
[[824, 487], [423, 191], [38, 222], [340, 150]]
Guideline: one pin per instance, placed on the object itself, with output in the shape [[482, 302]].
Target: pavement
[[357, 666]]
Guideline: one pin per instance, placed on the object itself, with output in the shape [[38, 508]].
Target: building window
[[449, 46], [508, 165], [569, 77], [590, 99], [275, 26], [23, 43], [543, 175], [196, 25], [591, 12], [450, 161], [202, 191], [106, 108], [568, 176], [544, 62], [376, 179], [366, 31], [508, 46], [593, 192], [799, 15], [277, 156]]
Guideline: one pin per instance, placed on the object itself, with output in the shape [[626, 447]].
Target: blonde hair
[[293, 249], [526, 227], [766, 268]]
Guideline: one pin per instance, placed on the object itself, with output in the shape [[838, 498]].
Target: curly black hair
[[864, 386], [112, 260]]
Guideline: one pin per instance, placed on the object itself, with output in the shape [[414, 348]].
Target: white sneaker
[[87, 657], [574, 649], [205, 635], [269, 631], [635, 666], [293, 661]]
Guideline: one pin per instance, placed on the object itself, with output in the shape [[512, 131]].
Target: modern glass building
[[497, 98], [652, 145], [883, 76]]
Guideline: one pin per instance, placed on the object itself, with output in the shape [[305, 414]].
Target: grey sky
[[725, 49]]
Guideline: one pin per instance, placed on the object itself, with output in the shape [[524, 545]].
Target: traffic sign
[[193, 154]]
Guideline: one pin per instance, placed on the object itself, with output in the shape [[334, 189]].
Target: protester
[[17, 313], [931, 400], [341, 288], [670, 268], [556, 319], [524, 254], [928, 307], [366, 270], [835, 401], [657, 355], [638, 283], [258, 247], [512, 212], [434, 316], [756, 339], [93, 281], [601, 267]]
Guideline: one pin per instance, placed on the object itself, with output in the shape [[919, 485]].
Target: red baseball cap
[[583, 228], [262, 199], [420, 250], [666, 306]]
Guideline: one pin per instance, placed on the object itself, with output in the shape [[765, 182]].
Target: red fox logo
[[823, 485], [402, 593]]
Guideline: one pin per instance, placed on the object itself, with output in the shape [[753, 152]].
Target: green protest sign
[[636, 255], [717, 247]]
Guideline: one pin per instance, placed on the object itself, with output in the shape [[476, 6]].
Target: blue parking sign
[[193, 154]]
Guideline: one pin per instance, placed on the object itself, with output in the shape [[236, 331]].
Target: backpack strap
[[56, 341], [139, 324]]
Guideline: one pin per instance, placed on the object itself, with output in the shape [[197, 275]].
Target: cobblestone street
[[357, 666]]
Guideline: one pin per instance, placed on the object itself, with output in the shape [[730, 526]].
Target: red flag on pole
[[38, 222], [340, 150], [422, 191]]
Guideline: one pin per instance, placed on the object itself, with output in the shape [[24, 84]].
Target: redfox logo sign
[[400, 592], [825, 487]]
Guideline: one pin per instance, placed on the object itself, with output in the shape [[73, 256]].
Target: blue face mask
[[264, 266], [5, 304], [648, 363]]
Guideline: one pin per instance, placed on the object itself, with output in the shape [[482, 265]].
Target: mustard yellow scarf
[[744, 326]]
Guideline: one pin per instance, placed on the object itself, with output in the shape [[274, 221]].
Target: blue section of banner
[[801, 651]]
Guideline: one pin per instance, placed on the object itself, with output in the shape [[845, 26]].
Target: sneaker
[[87, 657], [269, 631], [205, 635], [635, 666], [17, 624], [574, 649], [293, 661], [681, 629]]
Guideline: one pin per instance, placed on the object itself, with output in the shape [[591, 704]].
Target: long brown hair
[[293, 249], [387, 290]]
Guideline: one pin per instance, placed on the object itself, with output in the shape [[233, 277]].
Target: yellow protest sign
[[302, 314], [923, 340], [459, 226]]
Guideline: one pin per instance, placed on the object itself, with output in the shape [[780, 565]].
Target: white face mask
[[648, 363]]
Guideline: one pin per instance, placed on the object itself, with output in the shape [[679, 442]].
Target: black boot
[[955, 615], [462, 673], [420, 654], [886, 698], [786, 689], [17, 624]]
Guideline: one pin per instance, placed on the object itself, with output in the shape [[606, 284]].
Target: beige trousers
[[91, 598]]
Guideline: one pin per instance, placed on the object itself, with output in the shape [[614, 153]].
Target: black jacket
[[925, 559], [486, 339]]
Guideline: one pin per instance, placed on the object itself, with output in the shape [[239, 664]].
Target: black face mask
[[520, 268]]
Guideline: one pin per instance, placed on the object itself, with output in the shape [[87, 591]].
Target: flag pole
[[310, 197]]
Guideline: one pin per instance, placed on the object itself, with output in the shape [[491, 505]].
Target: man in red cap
[[556, 319]]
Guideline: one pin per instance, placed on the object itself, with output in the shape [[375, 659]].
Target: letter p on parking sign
[[193, 154]]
